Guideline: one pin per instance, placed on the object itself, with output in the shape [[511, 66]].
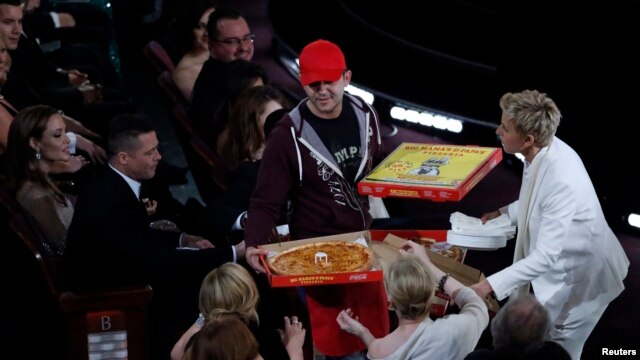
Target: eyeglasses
[[237, 41]]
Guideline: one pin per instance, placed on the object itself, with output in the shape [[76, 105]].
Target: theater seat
[[158, 57], [169, 88], [110, 323]]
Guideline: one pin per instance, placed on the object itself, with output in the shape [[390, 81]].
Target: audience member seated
[[7, 111], [547, 350], [73, 35], [230, 289], [35, 80], [192, 35], [209, 110], [69, 23], [36, 144], [226, 338], [229, 36], [229, 338], [410, 285], [229, 39], [244, 138], [522, 321], [242, 145], [110, 242]]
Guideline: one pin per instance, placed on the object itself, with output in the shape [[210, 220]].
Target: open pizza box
[[370, 238], [385, 245], [364, 237], [387, 252]]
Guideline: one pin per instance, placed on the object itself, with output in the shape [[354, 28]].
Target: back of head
[[521, 322], [273, 118], [533, 113], [221, 13], [224, 339], [236, 76], [547, 350], [246, 135], [240, 74], [229, 287], [409, 285], [123, 131]]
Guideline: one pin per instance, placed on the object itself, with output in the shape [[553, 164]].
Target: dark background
[[458, 57]]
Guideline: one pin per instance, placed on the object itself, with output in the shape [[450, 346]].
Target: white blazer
[[574, 261]]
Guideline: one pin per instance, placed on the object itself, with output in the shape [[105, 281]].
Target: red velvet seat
[[158, 57], [110, 320]]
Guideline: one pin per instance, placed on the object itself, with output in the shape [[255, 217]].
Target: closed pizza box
[[436, 172]]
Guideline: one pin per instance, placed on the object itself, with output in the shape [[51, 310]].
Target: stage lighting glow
[[367, 96], [634, 220], [426, 118]]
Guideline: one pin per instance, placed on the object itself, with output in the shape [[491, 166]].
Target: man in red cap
[[314, 158]]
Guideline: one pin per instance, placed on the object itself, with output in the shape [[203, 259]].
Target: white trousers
[[572, 336]]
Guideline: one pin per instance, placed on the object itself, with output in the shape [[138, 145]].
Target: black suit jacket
[[218, 216], [110, 243], [31, 73], [208, 101]]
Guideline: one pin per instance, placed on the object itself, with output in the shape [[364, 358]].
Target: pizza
[[322, 258], [451, 251]]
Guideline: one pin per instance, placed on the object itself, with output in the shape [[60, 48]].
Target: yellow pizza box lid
[[436, 172]]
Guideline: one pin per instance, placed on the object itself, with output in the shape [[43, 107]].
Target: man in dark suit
[[36, 80], [110, 243]]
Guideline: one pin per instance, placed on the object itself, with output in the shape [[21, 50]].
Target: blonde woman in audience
[[189, 66], [410, 284], [37, 142], [231, 289]]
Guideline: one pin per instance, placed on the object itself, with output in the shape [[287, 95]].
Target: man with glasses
[[230, 40], [229, 36]]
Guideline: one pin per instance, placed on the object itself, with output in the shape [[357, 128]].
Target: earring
[[38, 155]]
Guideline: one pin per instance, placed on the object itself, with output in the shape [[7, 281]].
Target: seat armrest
[[111, 299]]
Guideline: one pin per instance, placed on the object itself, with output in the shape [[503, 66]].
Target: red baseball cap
[[321, 60]]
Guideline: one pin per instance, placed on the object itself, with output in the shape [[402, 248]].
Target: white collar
[[133, 184]]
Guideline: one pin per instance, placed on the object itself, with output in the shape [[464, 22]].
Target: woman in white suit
[[564, 248]]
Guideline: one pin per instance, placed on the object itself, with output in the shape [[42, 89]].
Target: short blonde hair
[[533, 113], [410, 285], [229, 287]]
